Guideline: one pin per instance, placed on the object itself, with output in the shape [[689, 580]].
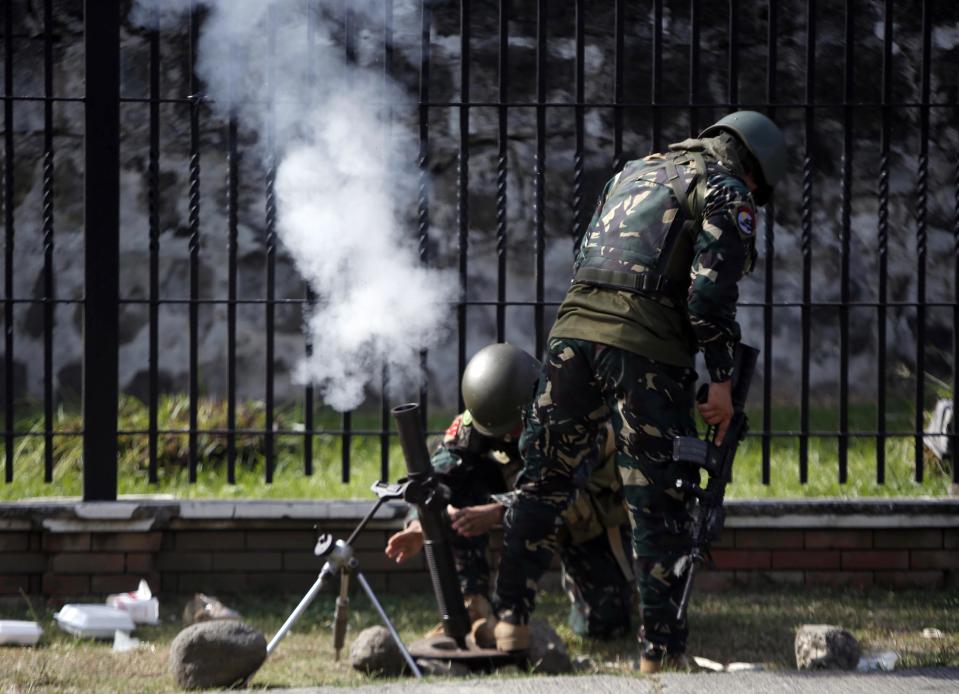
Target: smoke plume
[[343, 172]]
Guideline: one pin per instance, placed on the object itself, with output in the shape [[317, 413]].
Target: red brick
[[14, 542], [714, 581], [67, 542], [139, 562], [759, 579], [213, 583], [65, 584], [373, 560], [286, 539], [376, 539], [934, 559], [302, 561], [922, 538], [951, 538], [184, 561], [285, 582], [805, 559], [875, 559], [22, 562], [726, 540], [838, 539], [86, 563], [255, 561], [209, 539], [741, 559], [857, 579], [126, 542], [769, 539], [120, 583], [13, 584], [910, 579]]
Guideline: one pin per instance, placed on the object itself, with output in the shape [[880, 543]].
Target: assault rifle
[[717, 461]]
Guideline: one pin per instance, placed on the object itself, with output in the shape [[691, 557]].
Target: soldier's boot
[[510, 633], [651, 660], [482, 619], [480, 611]]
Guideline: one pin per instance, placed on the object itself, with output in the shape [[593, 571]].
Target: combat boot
[[482, 620], [510, 634]]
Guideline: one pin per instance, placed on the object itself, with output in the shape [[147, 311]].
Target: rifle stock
[[430, 499]]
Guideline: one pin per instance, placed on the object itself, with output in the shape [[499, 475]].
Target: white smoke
[[343, 172]]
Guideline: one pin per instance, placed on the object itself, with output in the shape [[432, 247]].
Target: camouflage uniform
[[656, 279], [480, 469]]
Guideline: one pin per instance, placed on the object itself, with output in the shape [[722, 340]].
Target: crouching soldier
[[479, 460]]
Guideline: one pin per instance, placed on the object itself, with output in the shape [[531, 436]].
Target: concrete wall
[[63, 550]]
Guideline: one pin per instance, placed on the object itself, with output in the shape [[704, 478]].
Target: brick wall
[[64, 551]]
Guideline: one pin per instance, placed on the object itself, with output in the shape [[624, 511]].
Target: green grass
[[290, 482], [735, 626]]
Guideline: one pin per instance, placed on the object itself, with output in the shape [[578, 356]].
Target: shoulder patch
[[746, 220], [453, 430]]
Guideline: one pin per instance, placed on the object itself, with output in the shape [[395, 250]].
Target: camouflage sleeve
[[445, 457], [724, 251]]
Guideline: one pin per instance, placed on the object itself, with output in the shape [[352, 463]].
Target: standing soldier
[[655, 281], [479, 460]]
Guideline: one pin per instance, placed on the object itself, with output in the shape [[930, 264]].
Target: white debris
[[932, 633], [745, 667], [881, 660], [707, 664]]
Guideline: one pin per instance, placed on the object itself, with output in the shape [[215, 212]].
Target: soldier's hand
[[476, 520], [406, 543], [718, 408]]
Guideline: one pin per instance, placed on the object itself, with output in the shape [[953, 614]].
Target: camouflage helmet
[[762, 138], [497, 384]]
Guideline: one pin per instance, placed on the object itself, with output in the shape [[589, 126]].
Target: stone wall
[[67, 550]]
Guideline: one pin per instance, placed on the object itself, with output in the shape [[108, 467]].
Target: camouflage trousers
[[584, 384], [601, 597]]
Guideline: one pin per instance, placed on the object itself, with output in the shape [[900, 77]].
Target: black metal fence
[[818, 67]]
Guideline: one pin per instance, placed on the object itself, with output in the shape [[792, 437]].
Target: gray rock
[[825, 647], [374, 652], [547, 651], [442, 668], [217, 653]]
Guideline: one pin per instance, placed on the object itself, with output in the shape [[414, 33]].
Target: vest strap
[[640, 282]]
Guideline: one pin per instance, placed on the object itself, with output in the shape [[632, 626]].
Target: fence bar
[[954, 435], [769, 252], [657, 116], [312, 10], [8, 213], [733, 65], [845, 230], [102, 232], [270, 220], [153, 213], [232, 202], [883, 242], [539, 179], [579, 125], [502, 170], [346, 441], [922, 191], [693, 67], [47, 224], [423, 162], [385, 415], [618, 58], [462, 191], [194, 225], [805, 242]]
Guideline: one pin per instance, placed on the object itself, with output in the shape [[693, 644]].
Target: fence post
[[102, 243]]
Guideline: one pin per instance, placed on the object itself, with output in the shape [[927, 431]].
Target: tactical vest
[[642, 240]]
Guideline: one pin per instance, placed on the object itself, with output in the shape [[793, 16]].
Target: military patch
[[746, 221]]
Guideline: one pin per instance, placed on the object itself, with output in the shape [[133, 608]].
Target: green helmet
[[761, 137], [497, 384]]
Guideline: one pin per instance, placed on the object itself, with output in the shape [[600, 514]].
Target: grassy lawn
[[734, 626], [290, 482]]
